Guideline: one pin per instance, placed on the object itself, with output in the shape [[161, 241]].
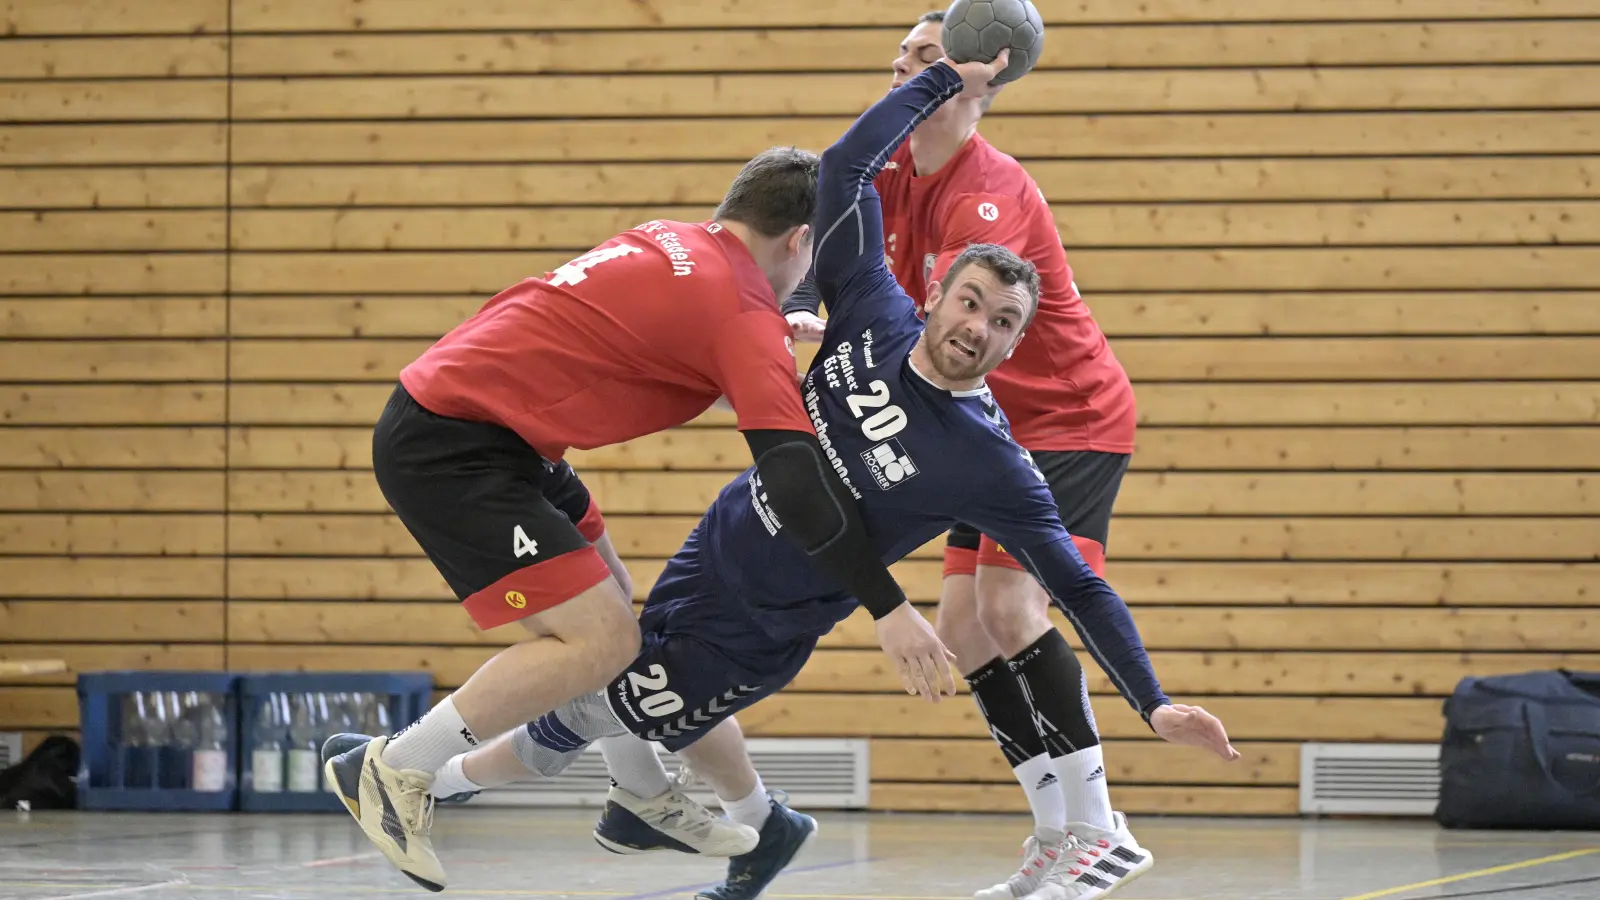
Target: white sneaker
[[1095, 863], [1040, 853], [394, 807], [672, 821]]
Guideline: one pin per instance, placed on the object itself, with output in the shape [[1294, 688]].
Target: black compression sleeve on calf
[[805, 298], [1052, 678], [1004, 706], [815, 511]]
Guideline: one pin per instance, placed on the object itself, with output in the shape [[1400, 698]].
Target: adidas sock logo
[[1099, 772], [1048, 779]]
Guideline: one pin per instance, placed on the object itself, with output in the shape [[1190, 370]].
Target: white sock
[[1083, 787], [429, 742], [752, 810], [1043, 787], [452, 779], [635, 766]]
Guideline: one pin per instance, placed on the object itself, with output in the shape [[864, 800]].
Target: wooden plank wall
[[1349, 251]]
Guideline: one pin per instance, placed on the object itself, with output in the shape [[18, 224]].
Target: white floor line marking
[[339, 860], [121, 891]]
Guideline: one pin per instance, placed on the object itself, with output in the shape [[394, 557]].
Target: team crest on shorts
[[889, 464]]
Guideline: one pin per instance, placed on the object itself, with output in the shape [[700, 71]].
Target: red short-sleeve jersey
[[638, 335], [1063, 388]]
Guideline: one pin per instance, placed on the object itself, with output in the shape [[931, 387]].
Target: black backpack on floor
[[47, 778], [1522, 751]]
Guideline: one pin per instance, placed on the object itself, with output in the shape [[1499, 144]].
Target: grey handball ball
[[979, 29]]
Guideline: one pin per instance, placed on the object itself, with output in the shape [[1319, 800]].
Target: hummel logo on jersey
[[888, 464], [1048, 779], [1098, 773], [1034, 467]]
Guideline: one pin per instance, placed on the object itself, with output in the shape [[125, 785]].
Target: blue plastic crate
[[403, 695], [133, 763]]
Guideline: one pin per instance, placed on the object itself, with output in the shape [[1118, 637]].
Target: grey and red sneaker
[[1097, 863]]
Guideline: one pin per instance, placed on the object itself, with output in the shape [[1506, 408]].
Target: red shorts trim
[[592, 525], [960, 561], [1094, 553], [992, 554], [536, 588]]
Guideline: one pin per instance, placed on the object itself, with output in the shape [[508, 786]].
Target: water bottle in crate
[[158, 741], [287, 716]]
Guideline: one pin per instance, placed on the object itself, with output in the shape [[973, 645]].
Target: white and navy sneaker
[[1040, 852], [784, 836], [673, 821], [1096, 863]]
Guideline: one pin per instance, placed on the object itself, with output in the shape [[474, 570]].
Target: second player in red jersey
[[1063, 388]]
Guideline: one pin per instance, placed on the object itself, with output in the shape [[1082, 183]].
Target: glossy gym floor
[[509, 853]]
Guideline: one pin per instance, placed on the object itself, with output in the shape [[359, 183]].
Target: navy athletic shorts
[[703, 658]]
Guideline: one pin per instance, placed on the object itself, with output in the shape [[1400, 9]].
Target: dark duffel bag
[[45, 779], [1522, 751]]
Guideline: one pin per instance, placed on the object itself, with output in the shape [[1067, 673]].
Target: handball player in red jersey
[[640, 334], [1071, 406]]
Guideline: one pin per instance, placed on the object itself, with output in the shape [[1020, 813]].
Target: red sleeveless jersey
[[1063, 388]]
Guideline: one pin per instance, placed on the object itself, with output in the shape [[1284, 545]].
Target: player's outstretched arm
[[848, 261], [1103, 621], [1018, 510]]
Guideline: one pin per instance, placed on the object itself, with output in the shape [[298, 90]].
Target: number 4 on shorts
[[521, 543]]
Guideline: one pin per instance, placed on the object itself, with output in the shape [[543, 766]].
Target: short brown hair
[[774, 192], [1006, 266]]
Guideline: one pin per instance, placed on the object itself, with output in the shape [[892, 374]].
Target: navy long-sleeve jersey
[[916, 457]]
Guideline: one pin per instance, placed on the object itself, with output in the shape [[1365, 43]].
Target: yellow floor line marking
[[1479, 873]]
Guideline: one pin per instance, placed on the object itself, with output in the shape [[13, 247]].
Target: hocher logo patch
[[515, 600], [889, 464]]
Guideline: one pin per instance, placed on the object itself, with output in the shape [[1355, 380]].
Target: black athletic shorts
[[511, 532], [702, 658], [1085, 485]]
